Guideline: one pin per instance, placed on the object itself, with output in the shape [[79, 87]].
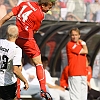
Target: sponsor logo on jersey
[[4, 49]]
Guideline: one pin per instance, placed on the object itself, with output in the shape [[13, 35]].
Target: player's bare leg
[[37, 60], [15, 98]]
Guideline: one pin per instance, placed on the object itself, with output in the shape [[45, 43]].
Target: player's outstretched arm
[[6, 17]]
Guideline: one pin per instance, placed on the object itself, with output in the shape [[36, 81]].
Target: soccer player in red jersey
[[76, 53], [29, 16]]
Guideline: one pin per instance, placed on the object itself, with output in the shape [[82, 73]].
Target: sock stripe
[[39, 65]]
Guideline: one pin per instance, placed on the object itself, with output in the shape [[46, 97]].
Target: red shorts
[[29, 46]]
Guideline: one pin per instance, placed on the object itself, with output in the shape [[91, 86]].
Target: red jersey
[[89, 73], [29, 18], [76, 61], [64, 78]]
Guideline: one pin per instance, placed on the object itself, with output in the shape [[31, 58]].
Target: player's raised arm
[[5, 18], [84, 50]]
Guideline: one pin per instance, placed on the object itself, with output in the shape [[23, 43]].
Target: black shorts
[[8, 92]]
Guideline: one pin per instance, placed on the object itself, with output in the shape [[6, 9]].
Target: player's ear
[[42, 5]]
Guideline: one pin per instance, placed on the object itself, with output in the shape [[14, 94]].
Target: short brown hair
[[74, 29], [46, 2]]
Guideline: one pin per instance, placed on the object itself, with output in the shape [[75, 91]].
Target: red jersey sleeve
[[16, 9]]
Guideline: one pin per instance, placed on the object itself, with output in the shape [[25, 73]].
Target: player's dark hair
[[46, 2]]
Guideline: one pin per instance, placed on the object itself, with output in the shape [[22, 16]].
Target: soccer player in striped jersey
[[10, 60]]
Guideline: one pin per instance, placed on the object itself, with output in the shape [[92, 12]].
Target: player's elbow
[[83, 51], [15, 70]]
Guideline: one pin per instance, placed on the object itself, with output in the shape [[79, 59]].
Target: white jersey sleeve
[[18, 56]]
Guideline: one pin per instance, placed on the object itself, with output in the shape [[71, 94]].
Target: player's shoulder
[[3, 41], [69, 43]]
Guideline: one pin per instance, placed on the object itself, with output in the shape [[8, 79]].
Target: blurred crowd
[[75, 10], [64, 10]]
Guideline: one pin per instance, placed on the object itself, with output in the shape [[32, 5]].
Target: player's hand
[[26, 86], [46, 95]]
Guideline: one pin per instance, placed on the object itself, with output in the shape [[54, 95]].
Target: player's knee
[[37, 60]]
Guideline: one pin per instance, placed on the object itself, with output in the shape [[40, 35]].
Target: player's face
[[46, 8], [75, 36]]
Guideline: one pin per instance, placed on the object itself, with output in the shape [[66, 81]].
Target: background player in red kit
[[76, 53], [29, 16]]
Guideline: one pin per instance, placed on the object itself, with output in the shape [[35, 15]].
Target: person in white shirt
[[56, 91], [10, 61]]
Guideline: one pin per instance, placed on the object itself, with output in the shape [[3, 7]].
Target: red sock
[[18, 88], [41, 76]]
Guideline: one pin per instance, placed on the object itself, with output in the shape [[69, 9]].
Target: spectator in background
[[71, 17], [3, 10], [56, 11], [92, 94], [87, 3], [56, 91], [77, 7], [19, 1], [96, 66], [90, 1], [9, 4], [63, 6], [76, 52], [13, 3], [96, 11], [49, 16]]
